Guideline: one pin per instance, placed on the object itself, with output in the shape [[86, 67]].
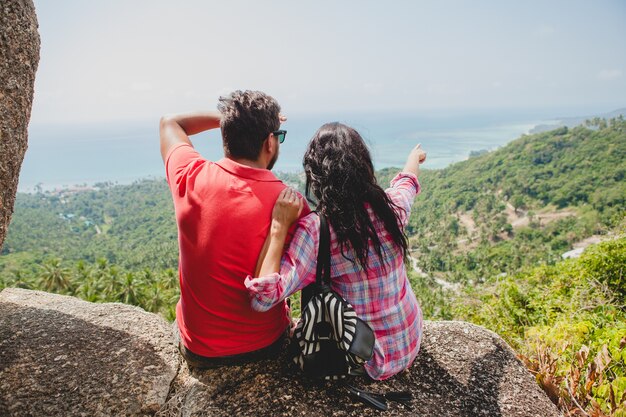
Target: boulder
[[65, 357], [462, 370], [19, 58], [62, 356]]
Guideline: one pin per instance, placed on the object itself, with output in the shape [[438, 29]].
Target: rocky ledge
[[63, 356]]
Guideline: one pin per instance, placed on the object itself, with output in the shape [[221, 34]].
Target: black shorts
[[203, 362]]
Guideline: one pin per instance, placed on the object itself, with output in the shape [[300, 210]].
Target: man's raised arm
[[176, 128]]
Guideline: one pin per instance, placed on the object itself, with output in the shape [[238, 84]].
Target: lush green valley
[[487, 238], [523, 204]]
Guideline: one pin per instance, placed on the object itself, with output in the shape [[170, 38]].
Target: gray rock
[[461, 370], [19, 58], [66, 357], [62, 356]]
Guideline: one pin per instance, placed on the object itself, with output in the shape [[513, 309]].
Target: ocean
[[62, 156]]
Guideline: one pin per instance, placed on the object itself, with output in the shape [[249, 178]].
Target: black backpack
[[330, 341]]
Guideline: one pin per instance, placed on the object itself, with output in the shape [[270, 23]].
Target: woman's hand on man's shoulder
[[287, 208]]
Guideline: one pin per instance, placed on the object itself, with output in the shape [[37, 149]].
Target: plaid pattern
[[381, 297]]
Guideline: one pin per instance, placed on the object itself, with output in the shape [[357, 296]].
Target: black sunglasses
[[280, 135]]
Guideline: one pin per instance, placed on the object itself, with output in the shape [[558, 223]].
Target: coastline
[[119, 158]]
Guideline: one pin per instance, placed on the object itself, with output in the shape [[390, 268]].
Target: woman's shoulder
[[309, 222], [305, 232]]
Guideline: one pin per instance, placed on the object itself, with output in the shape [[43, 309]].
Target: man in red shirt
[[223, 211]]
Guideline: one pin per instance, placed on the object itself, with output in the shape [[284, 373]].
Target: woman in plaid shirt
[[367, 242]]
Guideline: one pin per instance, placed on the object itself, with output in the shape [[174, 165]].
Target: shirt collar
[[245, 171]]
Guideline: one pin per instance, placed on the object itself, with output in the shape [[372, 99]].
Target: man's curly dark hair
[[247, 118]]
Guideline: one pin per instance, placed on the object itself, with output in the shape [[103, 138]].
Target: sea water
[[61, 156]]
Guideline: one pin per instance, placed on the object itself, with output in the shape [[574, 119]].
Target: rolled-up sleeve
[[297, 268], [404, 188]]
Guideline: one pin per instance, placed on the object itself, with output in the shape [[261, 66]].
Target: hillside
[[576, 121], [496, 213], [568, 323], [114, 222], [525, 203]]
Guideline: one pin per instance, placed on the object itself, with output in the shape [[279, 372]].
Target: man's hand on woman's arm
[[177, 128]]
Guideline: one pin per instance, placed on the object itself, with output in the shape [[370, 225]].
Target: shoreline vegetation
[[488, 237]]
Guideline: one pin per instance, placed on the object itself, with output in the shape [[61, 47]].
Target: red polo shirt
[[223, 211]]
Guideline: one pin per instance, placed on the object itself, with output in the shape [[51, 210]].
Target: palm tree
[[87, 282], [55, 276], [129, 291], [154, 300], [20, 280], [171, 279], [109, 283]]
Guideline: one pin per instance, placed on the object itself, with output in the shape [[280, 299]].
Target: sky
[[136, 60]]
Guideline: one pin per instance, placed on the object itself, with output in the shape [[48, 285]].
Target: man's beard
[[272, 162]]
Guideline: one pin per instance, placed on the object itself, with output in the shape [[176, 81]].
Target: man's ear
[[270, 145]]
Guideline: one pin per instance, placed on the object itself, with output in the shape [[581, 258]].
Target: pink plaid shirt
[[384, 300]]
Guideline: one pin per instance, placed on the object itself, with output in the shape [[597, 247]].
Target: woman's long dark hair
[[340, 174]]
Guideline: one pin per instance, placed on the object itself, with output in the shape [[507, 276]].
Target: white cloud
[[373, 88], [224, 91], [192, 94], [115, 94], [443, 89], [141, 86], [609, 74], [402, 54]]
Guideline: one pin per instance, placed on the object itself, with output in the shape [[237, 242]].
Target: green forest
[[487, 238]]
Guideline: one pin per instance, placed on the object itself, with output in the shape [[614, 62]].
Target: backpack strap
[[379, 401], [322, 272], [322, 276]]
